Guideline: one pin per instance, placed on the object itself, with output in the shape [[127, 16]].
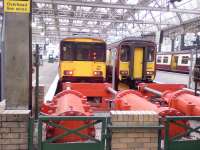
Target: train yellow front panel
[[82, 68], [138, 63], [123, 66], [151, 68]]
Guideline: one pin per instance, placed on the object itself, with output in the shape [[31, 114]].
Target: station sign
[[17, 6]]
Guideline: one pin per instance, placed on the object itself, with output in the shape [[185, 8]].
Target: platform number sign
[[17, 6]]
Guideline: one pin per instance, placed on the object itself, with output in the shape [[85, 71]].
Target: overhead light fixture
[[33, 24], [172, 1], [39, 27], [47, 39], [42, 33]]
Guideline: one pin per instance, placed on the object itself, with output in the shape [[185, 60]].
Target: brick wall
[[14, 129], [134, 138]]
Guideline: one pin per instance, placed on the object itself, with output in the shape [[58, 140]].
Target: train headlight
[[68, 72], [124, 73], [149, 72], [97, 73]]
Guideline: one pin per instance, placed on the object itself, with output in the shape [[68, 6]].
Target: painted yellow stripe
[[83, 40], [138, 63], [82, 68], [123, 66]]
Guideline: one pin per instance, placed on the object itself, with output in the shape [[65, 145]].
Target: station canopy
[[111, 20]]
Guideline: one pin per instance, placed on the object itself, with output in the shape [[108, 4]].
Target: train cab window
[[185, 60], [125, 53], [83, 51], [150, 54], [159, 58], [165, 60], [90, 52], [67, 52]]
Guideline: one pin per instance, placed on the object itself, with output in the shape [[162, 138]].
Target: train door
[[124, 59], [174, 62], [138, 63]]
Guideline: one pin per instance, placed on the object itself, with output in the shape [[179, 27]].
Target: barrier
[[97, 143], [183, 141]]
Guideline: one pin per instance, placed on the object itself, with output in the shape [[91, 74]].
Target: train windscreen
[[150, 54], [73, 51], [125, 53]]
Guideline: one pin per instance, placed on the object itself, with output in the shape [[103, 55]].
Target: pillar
[[17, 55], [16, 75], [172, 44], [182, 41], [161, 36]]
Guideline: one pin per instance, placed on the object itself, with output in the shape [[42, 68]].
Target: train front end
[[82, 60], [137, 62]]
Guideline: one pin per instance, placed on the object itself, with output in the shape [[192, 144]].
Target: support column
[[17, 52], [16, 66], [182, 41], [161, 36], [173, 44]]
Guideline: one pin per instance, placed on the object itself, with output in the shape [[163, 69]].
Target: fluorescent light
[[42, 33], [33, 24]]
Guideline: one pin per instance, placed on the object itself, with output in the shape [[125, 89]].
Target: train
[[179, 61], [135, 61], [82, 60], [90, 60], [174, 61]]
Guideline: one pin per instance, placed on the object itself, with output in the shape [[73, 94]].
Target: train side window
[[185, 59], [165, 60], [150, 54], [159, 58], [125, 53], [67, 52]]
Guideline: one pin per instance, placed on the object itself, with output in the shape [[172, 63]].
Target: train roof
[[83, 39], [177, 52], [132, 40]]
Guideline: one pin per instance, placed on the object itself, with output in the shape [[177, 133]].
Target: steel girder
[[118, 6], [93, 19]]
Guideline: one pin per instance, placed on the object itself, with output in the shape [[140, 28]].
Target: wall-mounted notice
[[17, 6]]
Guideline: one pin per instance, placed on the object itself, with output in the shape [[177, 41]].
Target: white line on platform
[[52, 89]]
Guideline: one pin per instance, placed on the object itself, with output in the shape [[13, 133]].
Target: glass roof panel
[[132, 2], [64, 7], [154, 19]]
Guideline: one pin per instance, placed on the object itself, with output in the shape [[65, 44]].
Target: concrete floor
[[47, 74], [171, 77]]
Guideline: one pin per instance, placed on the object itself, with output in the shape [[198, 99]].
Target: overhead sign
[[17, 6]]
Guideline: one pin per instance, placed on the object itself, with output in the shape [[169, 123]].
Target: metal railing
[[185, 140], [90, 144]]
